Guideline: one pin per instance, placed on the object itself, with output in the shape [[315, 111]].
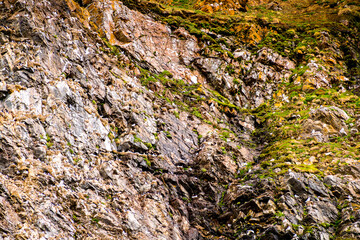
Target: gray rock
[[298, 187], [25, 100], [130, 143]]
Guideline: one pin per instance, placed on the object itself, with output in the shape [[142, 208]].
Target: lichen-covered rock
[[229, 6], [153, 45], [325, 122], [117, 124]]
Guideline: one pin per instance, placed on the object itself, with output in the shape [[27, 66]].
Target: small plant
[[221, 202], [49, 144], [168, 135], [148, 163], [156, 135], [149, 145], [295, 226], [197, 113], [236, 81], [279, 214], [177, 115], [224, 135], [186, 199], [136, 138], [325, 225]]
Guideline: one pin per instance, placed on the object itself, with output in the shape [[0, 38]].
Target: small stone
[[40, 152]]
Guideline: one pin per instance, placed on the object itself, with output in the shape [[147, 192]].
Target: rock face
[[230, 7], [115, 125], [151, 44], [325, 122]]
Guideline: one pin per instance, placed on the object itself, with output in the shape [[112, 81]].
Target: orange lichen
[[82, 13], [249, 32], [229, 7]]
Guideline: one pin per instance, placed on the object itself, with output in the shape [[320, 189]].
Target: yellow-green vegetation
[[184, 4], [147, 144], [326, 32], [223, 101], [49, 143], [148, 163], [283, 128], [187, 96], [295, 28]]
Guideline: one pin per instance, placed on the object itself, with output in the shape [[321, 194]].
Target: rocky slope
[[139, 120]]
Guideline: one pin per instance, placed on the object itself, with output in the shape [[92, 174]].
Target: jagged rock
[[267, 56], [88, 149], [238, 193], [24, 100], [318, 187], [40, 152], [242, 54], [121, 36], [3, 90], [325, 122], [298, 187], [152, 44], [129, 142], [229, 6], [321, 212], [274, 6]]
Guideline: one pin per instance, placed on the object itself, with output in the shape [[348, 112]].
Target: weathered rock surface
[[117, 126], [325, 122]]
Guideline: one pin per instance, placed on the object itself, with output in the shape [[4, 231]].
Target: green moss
[[136, 138], [113, 49], [225, 134], [309, 99], [295, 226], [149, 145], [223, 101], [166, 74], [148, 163], [49, 143], [221, 202], [177, 115], [325, 225], [168, 134], [95, 220], [242, 173], [299, 71], [307, 168], [279, 214], [196, 113]]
